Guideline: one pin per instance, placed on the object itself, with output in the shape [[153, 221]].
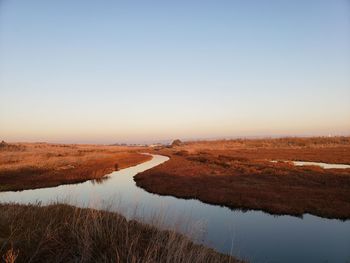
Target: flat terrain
[[61, 233], [239, 174], [35, 165]]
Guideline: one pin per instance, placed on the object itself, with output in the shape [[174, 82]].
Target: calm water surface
[[323, 165], [252, 235]]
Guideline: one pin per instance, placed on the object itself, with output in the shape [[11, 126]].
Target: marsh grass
[[35, 165], [63, 233], [239, 174], [56, 156]]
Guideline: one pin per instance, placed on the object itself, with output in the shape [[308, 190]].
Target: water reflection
[[323, 165], [253, 235], [100, 180]]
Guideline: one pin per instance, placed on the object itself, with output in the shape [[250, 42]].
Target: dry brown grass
[[289, 142], [317, 149], [33, 165], [239, 174], [61, 233]]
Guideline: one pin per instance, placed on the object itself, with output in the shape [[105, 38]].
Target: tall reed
[[62, 233]]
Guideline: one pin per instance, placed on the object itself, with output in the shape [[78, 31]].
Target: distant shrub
[[176, 142], [182, 153], [233, 158], [200, 159], [4, 146]]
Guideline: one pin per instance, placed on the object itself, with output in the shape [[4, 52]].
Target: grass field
[[234, 173], [240, 174], [35, 165], [62, 233]]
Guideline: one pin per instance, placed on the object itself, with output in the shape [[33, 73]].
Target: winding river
[[252, 235]]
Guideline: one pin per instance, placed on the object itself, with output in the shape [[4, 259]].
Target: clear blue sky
[[108, 71]]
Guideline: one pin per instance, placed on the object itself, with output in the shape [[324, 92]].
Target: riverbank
[[239, 174], [62, 233], [37, 165]]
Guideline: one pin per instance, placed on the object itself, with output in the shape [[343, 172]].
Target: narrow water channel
[[323, 165], [252, 235]]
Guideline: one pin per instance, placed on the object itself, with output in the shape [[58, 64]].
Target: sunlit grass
[[62, 233]]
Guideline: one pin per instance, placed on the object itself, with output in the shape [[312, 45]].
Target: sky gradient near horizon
[[138, 71]]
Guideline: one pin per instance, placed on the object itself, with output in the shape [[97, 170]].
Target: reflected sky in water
[[253, 235], [323, 165]]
